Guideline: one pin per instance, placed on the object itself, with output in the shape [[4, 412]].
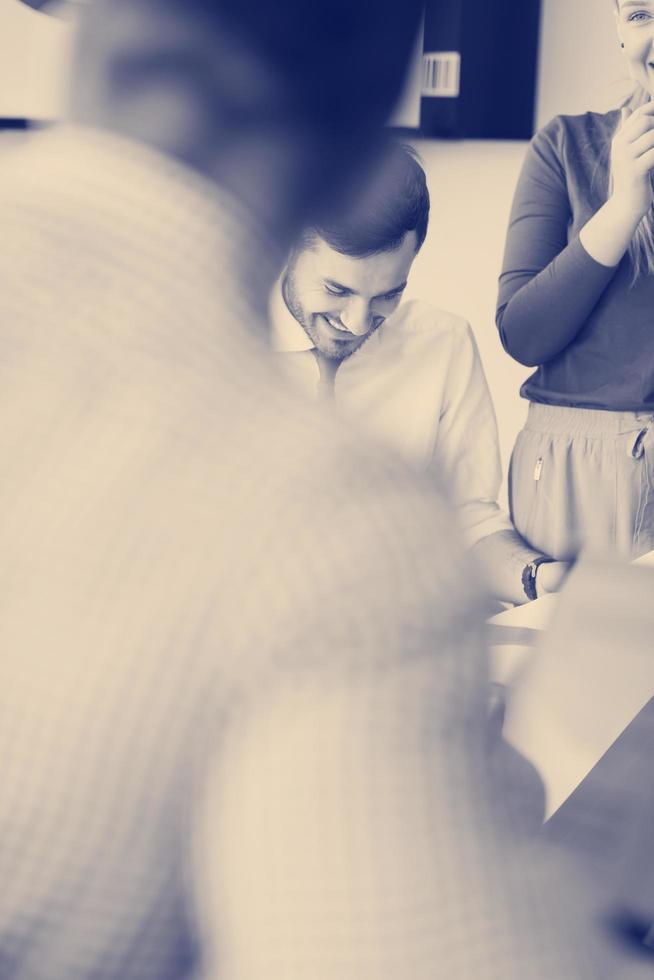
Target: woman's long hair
[[641, 247]]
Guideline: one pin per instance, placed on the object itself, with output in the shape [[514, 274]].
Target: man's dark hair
[[393, 203]]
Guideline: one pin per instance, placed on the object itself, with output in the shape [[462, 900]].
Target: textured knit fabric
[[418, 386], [241, 700], [588, 328], [583, 480]]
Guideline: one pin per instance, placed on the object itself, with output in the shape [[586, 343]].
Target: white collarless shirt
[[418, 386]]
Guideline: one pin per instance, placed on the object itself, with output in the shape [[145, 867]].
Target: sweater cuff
[[587, 265]]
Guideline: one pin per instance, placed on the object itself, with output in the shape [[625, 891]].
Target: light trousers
[[583, 480]]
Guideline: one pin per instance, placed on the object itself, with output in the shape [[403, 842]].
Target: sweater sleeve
[[548, 285]]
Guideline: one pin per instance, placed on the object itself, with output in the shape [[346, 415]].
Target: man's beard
[[291, 300], [298, 312], [336, 356]]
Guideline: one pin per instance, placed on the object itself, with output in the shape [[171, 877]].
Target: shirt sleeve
[[466, 451], [548, 285]]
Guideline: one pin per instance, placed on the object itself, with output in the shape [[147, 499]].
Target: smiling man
[[350, 313], [408, 373]]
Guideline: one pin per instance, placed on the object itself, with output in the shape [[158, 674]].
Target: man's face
[[341, 300]]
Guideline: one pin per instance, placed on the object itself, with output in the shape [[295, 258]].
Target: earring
[[622, 44]]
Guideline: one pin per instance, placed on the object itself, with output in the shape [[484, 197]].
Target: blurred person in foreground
[[241, 699], [407, 372]]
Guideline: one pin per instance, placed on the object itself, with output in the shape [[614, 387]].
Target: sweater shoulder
[[575, 151], [588, 131]]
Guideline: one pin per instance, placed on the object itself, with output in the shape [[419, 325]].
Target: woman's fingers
[[642, 144], [647, 109], [645, 163], [632, 159], [635, 127], [633, 122]]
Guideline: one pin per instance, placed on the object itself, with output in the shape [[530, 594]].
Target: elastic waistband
[[560, 420]]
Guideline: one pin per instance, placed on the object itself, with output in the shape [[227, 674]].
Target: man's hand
[[551, 576], [502, 558]]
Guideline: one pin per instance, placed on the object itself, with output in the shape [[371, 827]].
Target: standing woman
[[576, 302]]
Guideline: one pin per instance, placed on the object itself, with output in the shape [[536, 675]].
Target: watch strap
[[529, 575]]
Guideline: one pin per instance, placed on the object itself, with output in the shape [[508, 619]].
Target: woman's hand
[[607, 235], [632, 159]]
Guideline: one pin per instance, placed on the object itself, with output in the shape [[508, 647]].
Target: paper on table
[[589, 676], [534, 615], [512, 635]]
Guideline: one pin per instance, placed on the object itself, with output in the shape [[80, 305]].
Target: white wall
[[34, 59]]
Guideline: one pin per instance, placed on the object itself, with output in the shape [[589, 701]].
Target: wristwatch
[[529, 575]]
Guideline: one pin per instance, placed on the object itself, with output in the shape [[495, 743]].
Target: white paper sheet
[[534, 615]]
